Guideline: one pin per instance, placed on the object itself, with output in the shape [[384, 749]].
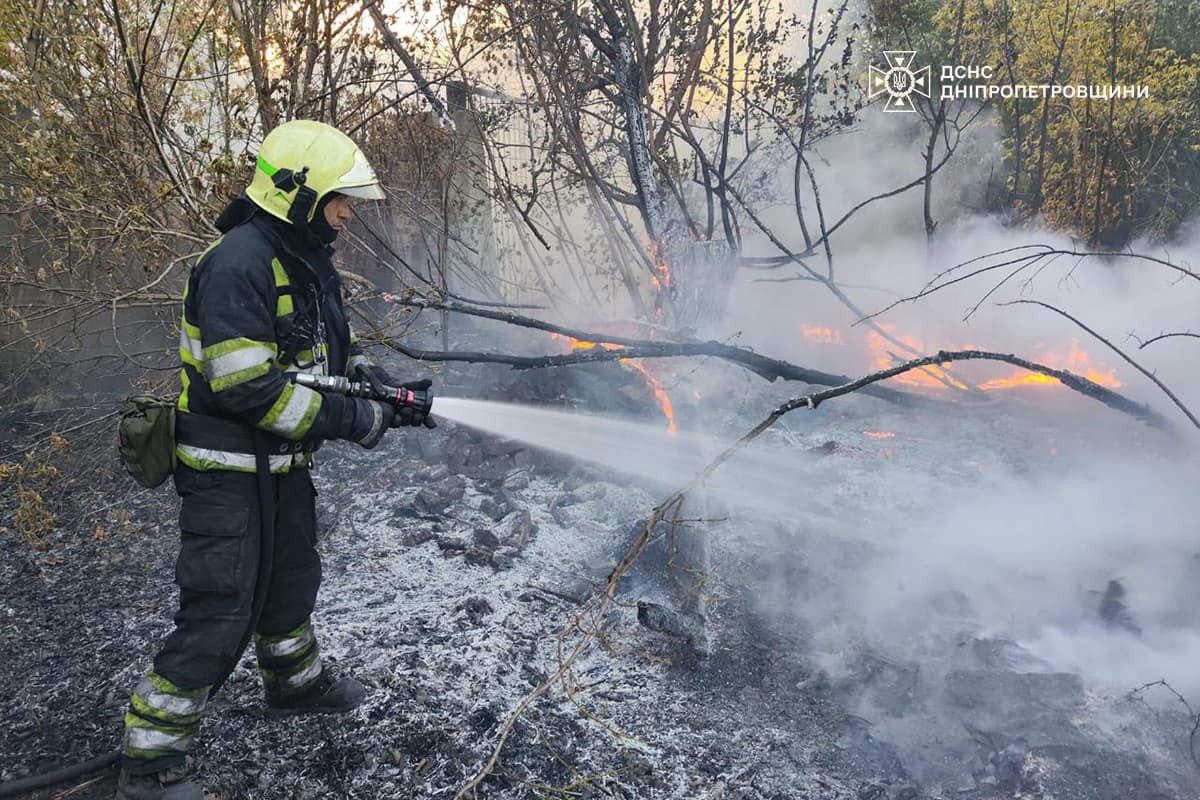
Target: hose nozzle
[[420, 400]]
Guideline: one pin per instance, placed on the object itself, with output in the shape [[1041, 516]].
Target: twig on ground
[[1136, 694]]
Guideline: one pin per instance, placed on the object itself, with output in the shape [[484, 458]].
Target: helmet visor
[[371, 192]]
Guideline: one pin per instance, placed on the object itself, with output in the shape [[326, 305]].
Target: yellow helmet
[[302, 161]]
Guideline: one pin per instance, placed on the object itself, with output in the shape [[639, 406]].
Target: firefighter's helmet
[[302, 161]]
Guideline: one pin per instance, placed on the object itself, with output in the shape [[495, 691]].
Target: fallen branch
[[1193, 717], [1153, 378], [601, 602], [769, 368]]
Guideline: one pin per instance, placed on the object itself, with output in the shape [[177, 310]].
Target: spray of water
[[1020, 543], [758, 475]]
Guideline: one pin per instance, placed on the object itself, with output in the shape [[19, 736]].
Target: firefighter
[[261, 302]]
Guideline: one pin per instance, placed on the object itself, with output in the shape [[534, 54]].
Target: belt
[[218, 433]]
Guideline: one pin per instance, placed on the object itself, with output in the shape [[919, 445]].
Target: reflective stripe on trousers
[[162, 718], [290, 663]]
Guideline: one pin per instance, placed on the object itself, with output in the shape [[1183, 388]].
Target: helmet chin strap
[[306, 197]]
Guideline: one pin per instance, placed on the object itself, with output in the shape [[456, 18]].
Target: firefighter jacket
[[259, 304]]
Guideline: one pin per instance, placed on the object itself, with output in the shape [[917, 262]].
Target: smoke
[[1027, 557], [1005, 519]]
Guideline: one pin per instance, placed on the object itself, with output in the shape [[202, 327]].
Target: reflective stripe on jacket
[[247, 321]]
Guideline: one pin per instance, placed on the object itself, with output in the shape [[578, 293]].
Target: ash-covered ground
[[840, 660]]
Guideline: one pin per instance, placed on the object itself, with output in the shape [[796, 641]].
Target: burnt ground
[[452, 562]]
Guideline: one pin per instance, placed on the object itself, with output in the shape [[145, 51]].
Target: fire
[[1020, 378], [661, 278], [1076, 361], [660, 394], [880, 434], [661, 398], [581, 344], [930, 377], [818, 335]]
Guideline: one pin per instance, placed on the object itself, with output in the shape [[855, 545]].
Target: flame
[[661, 278], [1019, 378], [880, 434], [660, 394], [930, 377], [580, 344], [1076, 361], [818, 335], [661, 398]]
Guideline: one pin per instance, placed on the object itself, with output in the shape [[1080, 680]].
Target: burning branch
[[769, 368], [1116, 350], [1080, 384]]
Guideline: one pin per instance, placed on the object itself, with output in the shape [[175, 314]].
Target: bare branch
[[766, 367], [1116, 350], [1162, 336]]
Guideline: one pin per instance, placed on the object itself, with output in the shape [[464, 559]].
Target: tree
[[1107, 167]]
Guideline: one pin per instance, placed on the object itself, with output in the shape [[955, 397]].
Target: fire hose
[[399, 397]]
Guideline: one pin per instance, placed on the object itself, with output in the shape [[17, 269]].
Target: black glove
[[354, 419], [414, 416], [378, 377]]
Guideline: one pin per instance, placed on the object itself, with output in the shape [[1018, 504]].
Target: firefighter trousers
[[217, 569]]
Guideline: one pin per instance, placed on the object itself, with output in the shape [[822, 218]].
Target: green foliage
[[1108, 169]]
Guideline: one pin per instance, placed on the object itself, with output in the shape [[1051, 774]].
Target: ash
[[808, 659]]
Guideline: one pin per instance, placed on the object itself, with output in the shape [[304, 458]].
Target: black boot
[[329, 695], [169, 784]]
